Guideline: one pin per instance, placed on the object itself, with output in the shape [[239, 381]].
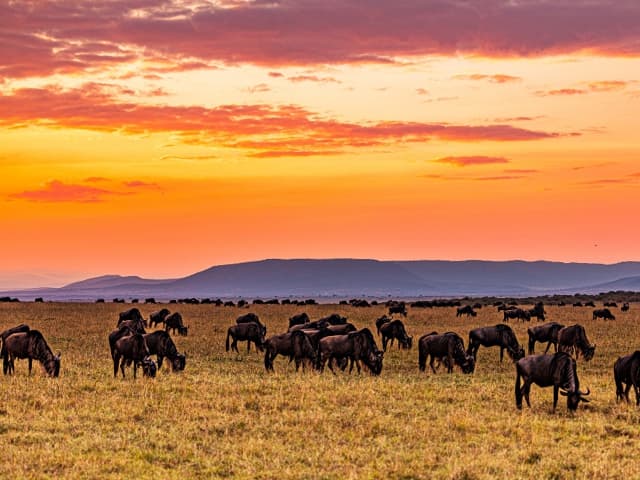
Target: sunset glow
[[160, 138]]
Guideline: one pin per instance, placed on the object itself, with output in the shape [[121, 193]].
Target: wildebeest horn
[[564, 393], [584, 394], [59, 353]]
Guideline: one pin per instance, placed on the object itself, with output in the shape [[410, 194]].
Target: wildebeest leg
[[30, 364], [385, 339], [116, 362], [636, 388], [122, 365], [135, 369], [160, 358], [555, 396], [549, 346], [501, 354], [331, 364], [526, 388], [431, 363], [234, 345], [248, 346], [626, 392]]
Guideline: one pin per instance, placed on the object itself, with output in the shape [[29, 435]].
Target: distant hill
[[334, 278]]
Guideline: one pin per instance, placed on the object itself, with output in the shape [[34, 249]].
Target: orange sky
[[160, 138]]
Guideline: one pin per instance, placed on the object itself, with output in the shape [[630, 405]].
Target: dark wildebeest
[[252, 318], [158, 317], [537, 311], [448, 346], [518, 314], [499, 335], [131, 314], [299, 319], [334, 319], [381, 321], [590, 304], [627, 370], [355, 346], [133, 349], [341, 329], [310, 326], [395, 330], [466, 310], [398, 307], [30, 345], [295, 345], [174, 322], [611, 304], [160, 344], [557, 370], [625, 307], [10, 331], [578, 304], [574, 339], [604, 313], [251, 332], [544, 333]]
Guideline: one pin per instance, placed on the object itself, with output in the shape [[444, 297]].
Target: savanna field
[[225, 417]]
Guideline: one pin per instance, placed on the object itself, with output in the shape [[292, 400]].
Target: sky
[[159, 138]]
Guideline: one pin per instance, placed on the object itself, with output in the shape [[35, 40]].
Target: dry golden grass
[[225, 417]]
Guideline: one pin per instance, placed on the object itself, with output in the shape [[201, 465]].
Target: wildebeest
[[132, 314], [590, 304], [173, 322], [160, 344], [356, 346], [295, 345], [395, 330], [498, 335], [310, 325], [251, 332], [252, 318], [10, 331], [517, 313], [334, 319], [625, 307], [29, 344], [537, 311], [611, 304], [398, 307], [557, 370], [381, 321], [341, 329], [604, 313], [466, 310], [448, 346], [627, 370], [133, 349], [578, 304], [158, 317], [299, 319], [544, 333], [574, 339]]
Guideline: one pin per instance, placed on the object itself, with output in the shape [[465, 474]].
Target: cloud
[[259, 88], [95, 179], [293, 153], [471, 161], [608, 85], [517, 119], [43, 37], [499, 178], [188, 157], [561, 92], [521, 171], [136, 184], [276, 74], [422, 91], [312, 78], [497, 78], [57, 191]]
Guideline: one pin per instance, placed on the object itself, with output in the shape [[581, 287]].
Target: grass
[[224, 417]]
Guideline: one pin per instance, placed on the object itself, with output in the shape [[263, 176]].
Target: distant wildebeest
[[381, 321], [132, 314], [173, 322], [577, 304], [99, 300], [498, 335], [249, 332], [625, 307], [160, 344], [544, 333], [590, 304], [150, 300], [604, 313], [537, 311], [448, 347], [31, 345], [229, 303], [395, 330], [574, 339], [133, 349], [398, 307], [252, 318], [557, 370], [626, 370], [466, 310], [158, 317], [295, 345], [39, 300], [241, 303], [611, 304], [299, 319], [355, 346], [477, 306], [518, 314], [503, 307], [357, 302], [334, 319]]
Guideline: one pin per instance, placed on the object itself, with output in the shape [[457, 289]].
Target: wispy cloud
[[496, 78], [57, 191], [471, 160], [259, 88], [312, 78]]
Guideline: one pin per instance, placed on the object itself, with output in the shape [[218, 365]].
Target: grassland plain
[[225, 417]]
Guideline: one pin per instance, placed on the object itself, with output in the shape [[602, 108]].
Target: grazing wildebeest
[[160, 344], [537, 311], [604, 313], [625, 307], [334, 319], [627, 370], [252, 318], [611, 304], [310, 325], [557, 370], [251, 332], [132, 314], [150, 300], [30, 345], [356, 346], [174, 322], [398, 307], [466, 310], [133, 349], [577, 304], [574, 339], [448, 346], [381, 321], [295, 345], [517, 313], [135, 326], [499, 335], [299, 319], [241, 303], [10, 331], [158, 317], [341, 329], [590, 304], [544, 333], [503, 307], [395, 330]]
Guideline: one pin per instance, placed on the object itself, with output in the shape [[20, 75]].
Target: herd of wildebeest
[[334, 342]]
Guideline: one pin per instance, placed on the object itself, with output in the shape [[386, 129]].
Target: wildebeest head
[[574, 398], [179, 362], [183, 331], [375, 362], [53, 366], [516, 354], [589, 352], [149, 368], [407, 343], [469, 364]]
